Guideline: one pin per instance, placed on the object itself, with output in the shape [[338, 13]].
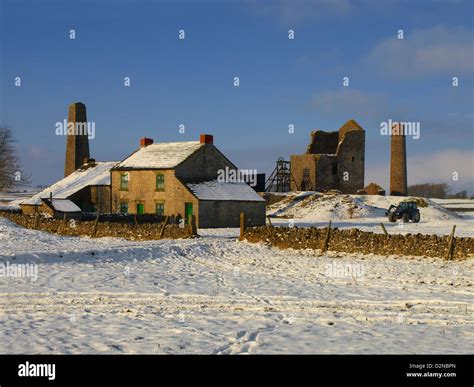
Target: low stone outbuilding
[[88, 188], [220, 204], [60, 209]]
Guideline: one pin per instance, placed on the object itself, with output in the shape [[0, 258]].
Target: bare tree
[[11, 175], [459, 195], [429, 190]]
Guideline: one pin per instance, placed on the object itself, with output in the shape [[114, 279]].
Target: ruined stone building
[[333, 160], [180, 178]]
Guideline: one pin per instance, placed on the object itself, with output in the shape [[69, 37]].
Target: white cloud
[[432, 50], [434, 168]]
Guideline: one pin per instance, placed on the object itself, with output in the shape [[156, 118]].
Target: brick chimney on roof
[[206, 139], [145, 142]]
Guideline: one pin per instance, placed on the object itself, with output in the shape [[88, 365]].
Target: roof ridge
[[171, 142], [160, 155]]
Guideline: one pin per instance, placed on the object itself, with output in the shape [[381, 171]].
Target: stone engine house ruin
[[333, 160]]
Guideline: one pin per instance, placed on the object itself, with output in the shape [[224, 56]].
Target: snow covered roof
[[214, 190], [64, 188], [63, 205], [161, 155]]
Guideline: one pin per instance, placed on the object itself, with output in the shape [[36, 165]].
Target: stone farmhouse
[[180, 178], [333, 160]]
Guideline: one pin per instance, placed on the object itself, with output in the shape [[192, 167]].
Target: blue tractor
[[405, 211]]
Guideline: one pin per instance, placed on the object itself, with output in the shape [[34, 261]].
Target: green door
[[140, 208], [188, 210]]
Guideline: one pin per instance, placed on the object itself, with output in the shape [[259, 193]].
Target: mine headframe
[[281, 177]]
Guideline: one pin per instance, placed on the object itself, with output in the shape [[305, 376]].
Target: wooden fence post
[[163, 227], [94, 231], [242, 226], [135, 219], [192, 225], [269, 220], [326, 239], [384, 229], [449, 256], [64, 223], [36, 222]]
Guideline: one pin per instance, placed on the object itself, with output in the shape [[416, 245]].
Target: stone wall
[[203, 165], [325, 178], [298, 164], [347, 127], [142, 189], [100, 196], [29, 209], [356, 241], [323, 142], [227, 213], [351, 160], [131, 231]]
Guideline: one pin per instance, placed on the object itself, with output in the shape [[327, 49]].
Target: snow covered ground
[[216, 295], [364, 212], [460, 206], [12, 200]]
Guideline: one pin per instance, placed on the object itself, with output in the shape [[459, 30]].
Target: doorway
[[188, 210]]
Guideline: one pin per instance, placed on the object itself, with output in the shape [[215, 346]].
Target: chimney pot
[[206, 139], [145, 141]]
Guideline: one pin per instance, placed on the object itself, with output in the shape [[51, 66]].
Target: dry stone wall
[[131, 231], [356, 241]]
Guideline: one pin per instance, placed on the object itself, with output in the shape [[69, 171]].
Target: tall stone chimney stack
[[398, 162], [77, 146]]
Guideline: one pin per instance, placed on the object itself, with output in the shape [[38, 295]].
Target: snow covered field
[[11, 200], [460, 206], [217, 295], [366, 213]]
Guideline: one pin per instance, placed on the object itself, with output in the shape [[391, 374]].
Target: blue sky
[[282, 81]]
